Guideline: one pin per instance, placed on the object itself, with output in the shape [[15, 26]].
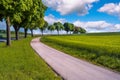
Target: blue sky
[[93, 15]]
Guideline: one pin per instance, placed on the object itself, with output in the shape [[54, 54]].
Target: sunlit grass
[[20, 62]]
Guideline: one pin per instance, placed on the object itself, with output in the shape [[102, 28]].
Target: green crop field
[[100, 49], [20, 62]]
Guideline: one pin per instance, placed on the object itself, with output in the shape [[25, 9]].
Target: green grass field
[[101, 49], [20, 62]]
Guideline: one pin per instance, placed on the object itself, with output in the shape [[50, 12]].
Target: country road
[[71, 68]]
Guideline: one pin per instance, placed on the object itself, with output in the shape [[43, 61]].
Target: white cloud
[[111, 8], [51, 19], [98, 26], [117, 26], [81, 7], [90, 26]]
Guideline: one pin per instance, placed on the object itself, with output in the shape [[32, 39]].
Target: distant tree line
[[2, 31], [58, 26]]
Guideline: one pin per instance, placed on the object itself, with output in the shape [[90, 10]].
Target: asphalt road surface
[[71, 68]]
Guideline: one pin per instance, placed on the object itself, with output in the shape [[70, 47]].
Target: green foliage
[[68, 27], [58, 26], [20, 62], [42, 28], [82, 30], [2, 31], [22, 13], [51, 27], [13, 8], [101, 50], [79, 30], [72, 27]]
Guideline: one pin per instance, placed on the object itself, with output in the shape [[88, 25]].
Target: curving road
[[71, 68]]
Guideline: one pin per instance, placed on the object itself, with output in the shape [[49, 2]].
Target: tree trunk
[[51, 32], [17, 35], [67, 32], [31, 32], [8, 43], [16, 31], [25, 32], [42, 32], [58, 32]]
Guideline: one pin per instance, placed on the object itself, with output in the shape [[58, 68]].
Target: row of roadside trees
[[58, 26], [28, 14]]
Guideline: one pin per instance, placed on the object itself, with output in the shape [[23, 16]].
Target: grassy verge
[[100, 50], [20, 62]]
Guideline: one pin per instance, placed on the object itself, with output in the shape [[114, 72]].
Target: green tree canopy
[[72, 28], [51, 28], [58, 26], [20, 13], [42, 28], [68, 27], [79, 30], [82, 30]]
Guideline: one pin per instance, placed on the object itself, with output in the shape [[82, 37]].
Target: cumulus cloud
[[90, 26], [117, 26], [98, 26], [81, 7], [111, 8], [51, 19]]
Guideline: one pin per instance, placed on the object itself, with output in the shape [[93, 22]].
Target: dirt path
[[69, 67]]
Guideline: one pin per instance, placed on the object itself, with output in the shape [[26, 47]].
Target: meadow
[[101, 49], [20, 62]]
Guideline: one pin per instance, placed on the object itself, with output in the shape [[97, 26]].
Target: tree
[[76, 30], [58, 26], [14, 10], [28, 25], [18, 24], [42, 28], [32, 26], [51, 28], [38, 11], [68, 27], [29, 22], [79, 30], [72, 28], [24, 22], [82, 30], [5, 11], [34, 17], [10, 9]]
